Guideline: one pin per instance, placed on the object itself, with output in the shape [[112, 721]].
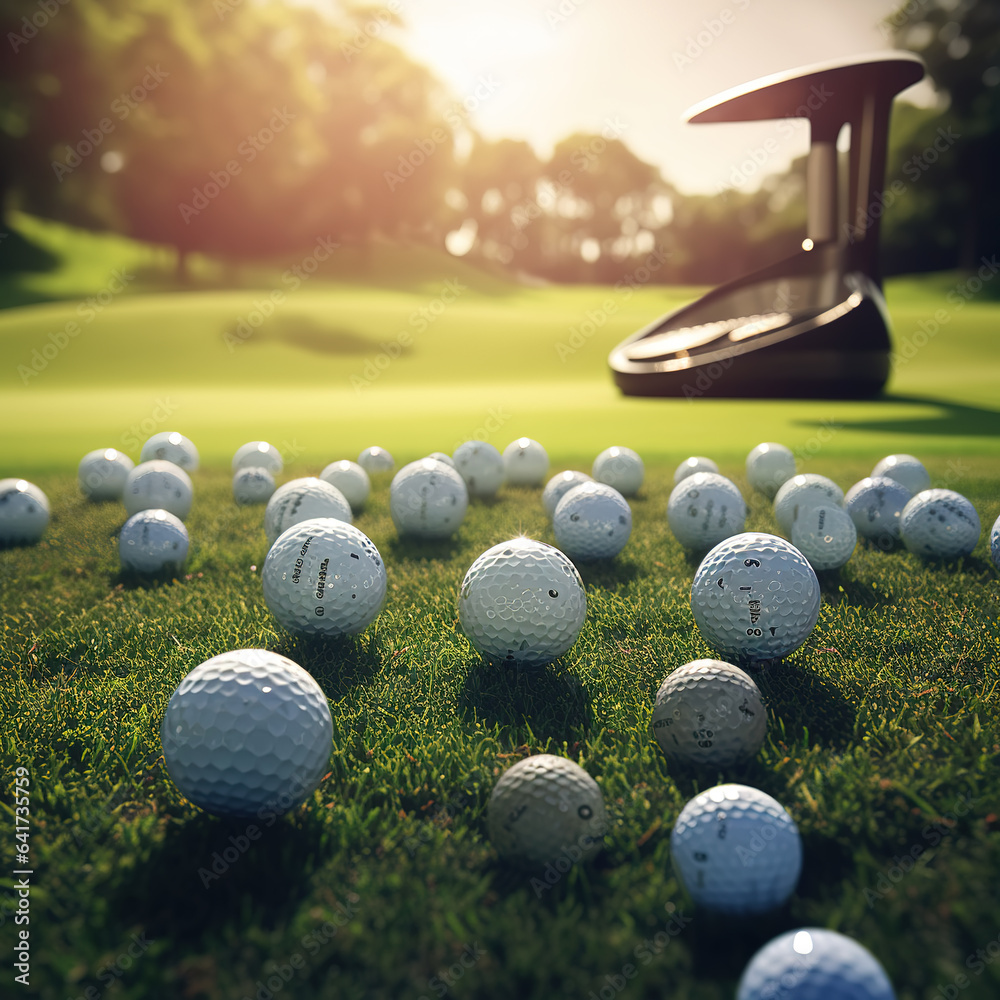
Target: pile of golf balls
[[939, 524], [158, 484], [102, 474], [801, 493], [481, 466], [558, 486], [826, 536], [696, 463], [151, 541], [351, 480], [247, 733], [592, 521], [24, 511], [906, 470], [525, 463], [620, 468], [252, 484], [375, 460], [259, 455], [705, 508], [768, 466], [169, 446], [875, 506], [301, 499], [427, 499]]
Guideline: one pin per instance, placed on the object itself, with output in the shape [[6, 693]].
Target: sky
[[542, 69]]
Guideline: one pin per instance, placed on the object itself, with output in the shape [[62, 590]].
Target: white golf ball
[[546, 809], [151, 541], [796, 495], [375, 459], [696, 463], [525, 463], [522, 602], [558, 486], [826, 536], [906, 470], [939, 524], [709, 712], [324, 577], [995, 543], [169, 446], [813, 963], [755, 598], [252, 485], [768, 466], [481, 466], [102, 474], [247, 733], [351, 480], [427, 499], [620, 468], [158, 485], [736, 850], [300, 499], [442, 457], [703, 509], [875, 506], [24, 511], [592, 521], [258, 455]]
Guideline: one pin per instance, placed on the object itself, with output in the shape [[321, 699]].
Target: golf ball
[[442, 457], [620, 468], [939, 524], [351, 480], [24, 511], [481, 466], [375, 459], [592, 521], [755, 598], [703, 509], [545, 809], [169, 446], [995, 543], [301, 499], [826, 536], [709, 712], [768, 466], [102, 474], [906, 470], [258, 455], [324, 577], [522, 602], [525, 463], [247, 733], [696, 463], [158, 484], [814, 964], [427, 499], [151, 541], [736, 850], [798, 494], [875, 506], [252, 485], [558, 486]]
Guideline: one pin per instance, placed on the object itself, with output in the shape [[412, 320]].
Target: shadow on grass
[[807, 704], [609, 573], [409, 549], [339, 663], [952, 419]]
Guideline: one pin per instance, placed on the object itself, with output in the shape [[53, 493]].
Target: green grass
[[878, 726]]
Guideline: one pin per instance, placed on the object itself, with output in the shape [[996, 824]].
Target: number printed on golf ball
[[755, 598], [592, 521], [151, 541], [703, 509], [24, 511], [939, 524]]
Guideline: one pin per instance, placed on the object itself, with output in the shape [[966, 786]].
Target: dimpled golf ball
[[525, 463], [324, 577], [798, 494], [696, 463], [169, 446], [522, 603], [703, 509], [875, 506], [300, 499], [709, 712], [481, 466], [375, 459], [24, 511], [736, 850], [102, 474], [351, 480], [620, 468], [151, 541], [258, 455], [558, 486], [592, 521], [427, 499], [252, 485], [755, 598], [826, 536], [939, 524], [247, 733], [812, 963], [768, 466], [544, 809], [906, 470], [158, 484], [995, 543]]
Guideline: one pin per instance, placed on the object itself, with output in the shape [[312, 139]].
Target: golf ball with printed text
[[247, 733], [906, 470], [151, 541], [300, 499], [995, 543], [158, 484], [324, 577], [768, 466], [736, 850], [696, 463], [547, 810], [375, 459], [709, 712], [525, 463], [427, 499], [258, 455], [102, 474], [252, 485], [620, 468], [169, 446], [351, 480], [798, 494], [703, 509], [592, 521], [826, 536], [755, 598], [24, 511], [939, 524], [875, 506], [481, 466]]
